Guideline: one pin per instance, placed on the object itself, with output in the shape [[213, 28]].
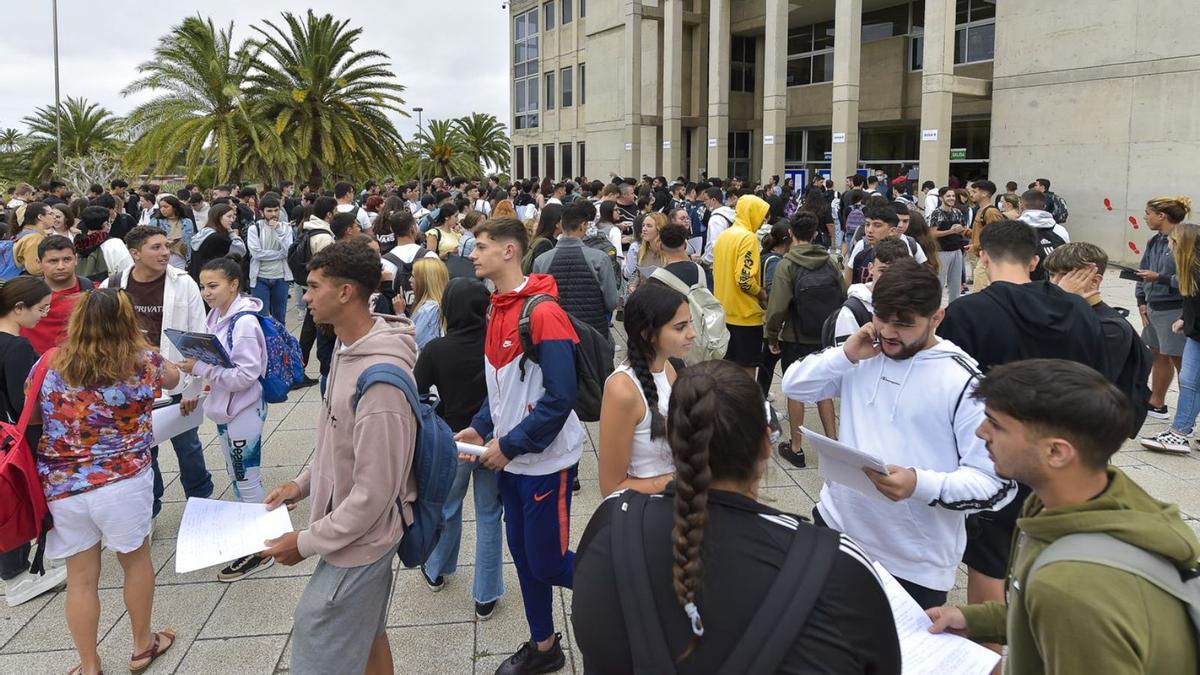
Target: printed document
[[843, 464], [215, 532]]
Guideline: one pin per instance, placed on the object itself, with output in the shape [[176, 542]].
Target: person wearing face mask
[[896, 368]]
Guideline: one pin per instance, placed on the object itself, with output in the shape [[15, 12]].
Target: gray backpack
[[1103, 549]]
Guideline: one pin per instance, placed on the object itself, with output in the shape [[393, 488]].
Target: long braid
[[641, 368], [693, 416]]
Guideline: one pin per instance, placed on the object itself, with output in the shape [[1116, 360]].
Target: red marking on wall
[[1133, 221], [1133, 247], [1107, 204]]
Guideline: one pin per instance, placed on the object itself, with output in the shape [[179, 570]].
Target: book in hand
[[200, 346]]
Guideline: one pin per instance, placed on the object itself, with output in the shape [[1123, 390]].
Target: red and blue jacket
[[531, 412]]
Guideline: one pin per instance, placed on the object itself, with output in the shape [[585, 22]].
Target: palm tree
[[87, 128], [485, 139], [11, 140], [328, 103], [439, 150], [202, 113]]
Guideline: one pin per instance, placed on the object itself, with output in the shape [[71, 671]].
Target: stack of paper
[[214, 532], [843, 464]]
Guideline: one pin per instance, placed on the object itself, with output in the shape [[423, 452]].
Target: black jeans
[[308, 335]]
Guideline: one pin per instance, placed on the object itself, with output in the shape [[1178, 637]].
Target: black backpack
[[829, 329], [593, 357], [1048, 240], [768, 637], [299, 253], [604, 245], [815, 293], [402, 282], [1136, 362]]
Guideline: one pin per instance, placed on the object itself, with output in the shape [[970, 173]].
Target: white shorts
[[117, 514]]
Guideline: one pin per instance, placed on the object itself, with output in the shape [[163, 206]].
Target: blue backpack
[[435, 462], [285, 365], [8, 264]]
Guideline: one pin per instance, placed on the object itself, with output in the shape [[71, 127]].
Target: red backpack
[[24, 515]]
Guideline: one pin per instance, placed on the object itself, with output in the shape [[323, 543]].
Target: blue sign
[[828, 156]]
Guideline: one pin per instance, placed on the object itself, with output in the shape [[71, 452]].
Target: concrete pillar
[[633, 93], [847, 47], [774, 133], [718, 88], [672, 89], [937, 91]]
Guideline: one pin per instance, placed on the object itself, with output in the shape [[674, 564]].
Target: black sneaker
[[790, 456], [529, 661], [243, 567], [1158, 413], [484, 610], [306, 382], [434, 585]]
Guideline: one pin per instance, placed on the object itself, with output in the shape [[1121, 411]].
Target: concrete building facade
[[1010, 89]]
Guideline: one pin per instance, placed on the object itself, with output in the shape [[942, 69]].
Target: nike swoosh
[[538, 498]]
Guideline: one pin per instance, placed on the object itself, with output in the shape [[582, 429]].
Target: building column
[[847, 48], [937, 91], [633, 92], [672, 86], [718, 88], [774, 132]]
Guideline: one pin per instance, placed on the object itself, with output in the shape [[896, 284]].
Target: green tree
[[87, 128], [11, 140], [202, 114], [327, 103], [439, 150], [485, 139]]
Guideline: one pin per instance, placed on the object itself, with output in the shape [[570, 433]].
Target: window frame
[[566, 87], [811, 55], [581, 152], [526, 110], [916, 40], [548, 16], [565, 159], [548, 83], [742, 64], [519, 161], [548, 155], [582, 82], [565, 13]]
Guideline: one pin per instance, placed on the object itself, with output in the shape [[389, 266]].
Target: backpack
[[1134, 375], [815, 294], [435, 463], [696, 212], [8, 264], [769, 636], [593, 357], [604, 245], [708, 317], [285, 362], [24, 515], [1104, 549], [1048, 240], [855, 218], [829, 329], [403, 279], [299, 253], [532, 253], [1058, 209], [792, 207], [91, 265]]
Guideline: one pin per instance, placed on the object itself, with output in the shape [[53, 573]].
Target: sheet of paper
[[922, 652], [215, 532], [168, 423], [844, 465]]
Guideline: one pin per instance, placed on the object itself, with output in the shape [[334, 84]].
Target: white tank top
[[649, 458]]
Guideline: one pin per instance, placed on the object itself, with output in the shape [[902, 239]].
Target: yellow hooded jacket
[[736, 274]]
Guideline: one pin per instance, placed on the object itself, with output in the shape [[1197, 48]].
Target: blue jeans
[[274, 296], [489, 577], [1189, 389], [193, 475]]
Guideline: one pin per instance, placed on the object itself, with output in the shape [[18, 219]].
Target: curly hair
[[104, 344]]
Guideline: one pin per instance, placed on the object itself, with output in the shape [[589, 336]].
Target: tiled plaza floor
[[244, 627]]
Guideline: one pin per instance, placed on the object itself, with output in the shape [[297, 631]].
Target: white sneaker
[[28, 586], [1168, 441]]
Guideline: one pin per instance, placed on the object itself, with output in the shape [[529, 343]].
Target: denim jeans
[[274, 296], [193, 475], [1189, 389], [489, 577]]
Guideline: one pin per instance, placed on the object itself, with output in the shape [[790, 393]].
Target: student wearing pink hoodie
[[235, 401]]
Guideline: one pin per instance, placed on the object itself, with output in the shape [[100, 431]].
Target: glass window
[[582, 81], [974, 135], [799, 71], [549, 91], [823, 35], [981, 43], [519, 155], [819, 143], [519, 96], [810, 54], [741, 63], [582, 146], [533, 162], [566, 12], [889, 144], [974, 37], [548, 12], [568, 88], [885, 23], [525, 70], [793, 149], [739, 154], [582, 13], [548, 151], [564, 149]]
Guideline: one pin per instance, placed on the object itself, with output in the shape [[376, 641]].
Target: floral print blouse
[[93, 436]]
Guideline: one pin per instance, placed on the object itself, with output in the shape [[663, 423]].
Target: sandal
[[153, 652], [79, 669]]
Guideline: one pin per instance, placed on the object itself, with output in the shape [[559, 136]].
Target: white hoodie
[[1042, 220], [915, 413], [846, 324], [719, 220]]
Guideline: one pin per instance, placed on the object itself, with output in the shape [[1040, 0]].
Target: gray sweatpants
[[950, 271], [340, 613]]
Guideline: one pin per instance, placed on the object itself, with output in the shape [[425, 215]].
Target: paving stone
[[289, 448], [234, 656], [507, 629], [447, 649], [183, 608], [414, 604], [256, 606], [47, 630], [13, 619]]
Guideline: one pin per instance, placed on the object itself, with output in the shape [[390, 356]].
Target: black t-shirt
[[850, 628], [686, 271], [944, 220], [16, 359]]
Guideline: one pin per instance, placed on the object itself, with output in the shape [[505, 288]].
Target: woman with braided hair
[[633, 432], [713, 555]]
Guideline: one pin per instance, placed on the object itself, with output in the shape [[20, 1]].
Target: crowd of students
[[1010, 400]]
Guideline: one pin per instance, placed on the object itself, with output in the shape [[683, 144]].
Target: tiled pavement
[[245, 627]]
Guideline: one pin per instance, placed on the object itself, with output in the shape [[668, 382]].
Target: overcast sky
[[452, 61]]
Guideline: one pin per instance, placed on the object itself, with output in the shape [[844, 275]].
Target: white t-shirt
[[364, 221], [919, 255], [482, 206]]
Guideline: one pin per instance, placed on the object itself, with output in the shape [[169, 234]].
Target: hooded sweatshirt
[[232, 390], [736, 281], [452, 362], [915, 413], [320, 235], [364, 455], [1077, 617], [1042, 220], [718, 221], [780, 323], [1008, 322], [847, 324], [529, 406]]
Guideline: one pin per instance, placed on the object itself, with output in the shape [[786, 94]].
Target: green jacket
[[779, 323], [1077, 618]]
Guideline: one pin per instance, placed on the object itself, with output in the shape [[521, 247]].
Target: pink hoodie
[[235, 389]]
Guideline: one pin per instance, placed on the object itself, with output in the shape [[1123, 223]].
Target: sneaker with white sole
[[244, 567], [27, 586], [1159, 413], [1168, 441]]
